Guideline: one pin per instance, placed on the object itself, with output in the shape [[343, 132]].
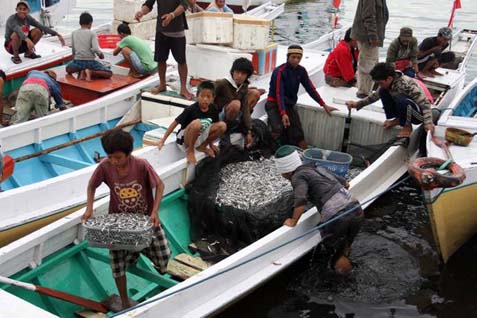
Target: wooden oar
[[74, 142], [8, 167], [88, 303]]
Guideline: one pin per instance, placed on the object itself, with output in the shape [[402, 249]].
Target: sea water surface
[[397, 271]]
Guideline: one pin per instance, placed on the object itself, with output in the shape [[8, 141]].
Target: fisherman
[[131, 181], [194, 7], [84, 43], [283, 94], [3, 79], [404, 101], [34, 95], [136, 52], [19, 38], [402, 52], [200, 125], [236, 100], [341, 63], [328, 192], [431, 53], [219, 6], [170, 36]]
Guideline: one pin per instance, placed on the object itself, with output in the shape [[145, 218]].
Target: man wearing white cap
[[328, 192]]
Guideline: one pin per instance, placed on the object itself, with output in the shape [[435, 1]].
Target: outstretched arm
[[169, 130]]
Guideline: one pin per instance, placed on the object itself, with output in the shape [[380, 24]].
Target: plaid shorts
[[158, 252], [77, 65]]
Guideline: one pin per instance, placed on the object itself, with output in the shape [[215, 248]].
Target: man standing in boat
[[19, 38], [283, 117], [328, 192], [404, 101], [170, 36]]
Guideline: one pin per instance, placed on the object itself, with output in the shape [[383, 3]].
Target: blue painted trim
[[64, 161], [104, 126], [51, 170], [81, 149]]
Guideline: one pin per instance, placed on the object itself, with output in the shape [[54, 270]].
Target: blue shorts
[[79, 65], [137, 65]]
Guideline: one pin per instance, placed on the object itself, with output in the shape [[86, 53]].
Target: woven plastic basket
[[335, 161], [120, 231]]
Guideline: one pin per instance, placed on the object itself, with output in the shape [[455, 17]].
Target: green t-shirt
[[142, 50]]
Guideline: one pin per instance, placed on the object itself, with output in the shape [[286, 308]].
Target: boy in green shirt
[[136, 52]]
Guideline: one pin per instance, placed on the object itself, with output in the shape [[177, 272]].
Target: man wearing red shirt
[[340, 66]]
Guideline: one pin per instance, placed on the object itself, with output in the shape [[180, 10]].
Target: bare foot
[[160, 88], [191, 157], [209, 152], [89, 74], [405, 131], [135, 74], [390, 123], [186, 93], [82, 75]]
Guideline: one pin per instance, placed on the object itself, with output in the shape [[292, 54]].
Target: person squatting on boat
[[402, 53], [341, 63], [19, 38], [282, 114], [136, 51], [84, 44], [131, 181], [170, 36], [34, 95], [404, 101], [200, 125], [236, 100], [431, 53], [328, 192], [3, 78], [368, 29]]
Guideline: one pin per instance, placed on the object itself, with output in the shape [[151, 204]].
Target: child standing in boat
[[84, 43], [131, 181], [200, 125]]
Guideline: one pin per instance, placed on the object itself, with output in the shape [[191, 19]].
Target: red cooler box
[[264, 61]]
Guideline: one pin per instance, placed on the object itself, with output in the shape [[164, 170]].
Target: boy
[[18, 36], [283, 94], [124, 173], [328, 192], [200, 125], [136, 52], [235, 100], [84, 43], [404, 101]]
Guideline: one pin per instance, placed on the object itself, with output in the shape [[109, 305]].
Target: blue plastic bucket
[[335, 161]]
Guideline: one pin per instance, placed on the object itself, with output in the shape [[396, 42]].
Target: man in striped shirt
[[283, 95]]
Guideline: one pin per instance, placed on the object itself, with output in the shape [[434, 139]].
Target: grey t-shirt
[[84, 43]]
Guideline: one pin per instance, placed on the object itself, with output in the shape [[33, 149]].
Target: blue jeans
[[401, 107]]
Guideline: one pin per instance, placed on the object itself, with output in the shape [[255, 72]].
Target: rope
[[316, 228]]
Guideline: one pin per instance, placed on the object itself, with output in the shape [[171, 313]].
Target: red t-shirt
[[340, 62], [129, 194]]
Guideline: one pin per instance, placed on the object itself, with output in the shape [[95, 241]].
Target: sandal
[[33, 55], [16, 59]]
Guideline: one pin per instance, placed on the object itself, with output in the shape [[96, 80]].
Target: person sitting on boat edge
[[219, 6], [136, 52], [19, 38], [170, 36], [283, 117], [124, 173], [200, 125], [84, 44], [3, 79], [328, 192], [402, 52], [404, 101], [341, 63], [34, 95], [431, 53], [236, 100]]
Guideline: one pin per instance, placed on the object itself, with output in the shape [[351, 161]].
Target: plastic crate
[[120, 231], [335, 161], [108, 41]]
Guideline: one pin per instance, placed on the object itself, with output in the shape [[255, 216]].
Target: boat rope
[[310, 231]]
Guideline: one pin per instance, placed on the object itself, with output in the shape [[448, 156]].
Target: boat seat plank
[[64, 161], [181, 271], [86, 313], [194, 262]]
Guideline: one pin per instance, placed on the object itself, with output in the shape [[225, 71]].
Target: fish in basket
[[120, 231]]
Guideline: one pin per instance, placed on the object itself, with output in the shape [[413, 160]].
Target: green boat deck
[[85, 271]]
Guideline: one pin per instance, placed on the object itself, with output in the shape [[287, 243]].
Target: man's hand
[[329, 109], [290, 222], [160, 143], [248, 140], [155, 220], [285, 121], [101, 55], [87, 214], [166, 19], [62, 40], [429, 128], [138, 15], [351, 104]]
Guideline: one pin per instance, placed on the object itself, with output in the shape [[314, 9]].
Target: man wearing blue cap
[[328, 192], [431, 52]]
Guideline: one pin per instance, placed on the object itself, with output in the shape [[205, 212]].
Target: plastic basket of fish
[[119, 231], [335, 161]]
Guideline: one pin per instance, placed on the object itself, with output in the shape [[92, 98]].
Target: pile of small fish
[[251, 185], [129, 231]]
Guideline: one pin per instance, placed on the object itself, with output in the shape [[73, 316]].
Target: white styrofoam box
[[210, 27], [125, 10], [214, 62], [144, 30], [158, 106], [119, 70], [250, 33]]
